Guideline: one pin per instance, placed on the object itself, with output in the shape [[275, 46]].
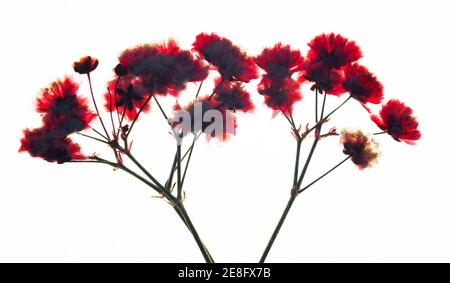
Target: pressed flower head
[[280, 61], [397, 120], [280, 95], [325, 80], [362, 84], [85, 65], [131, 96], [362, 150], [162, 68], [231, 62], [232, 96], [64, 110], [50, 146], [332, 51]]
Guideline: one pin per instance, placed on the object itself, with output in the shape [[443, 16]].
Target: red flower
[[162, 68], [232, 96], [85, 65], [205, 116], [329, 81], [231, 62], [362, 150], [397, 120], [362, 85], [332, 51], [280, 61], [50, 146], [64, 110], [280, 95], [131, 96]]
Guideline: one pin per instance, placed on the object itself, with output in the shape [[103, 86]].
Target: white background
[[397, 211]]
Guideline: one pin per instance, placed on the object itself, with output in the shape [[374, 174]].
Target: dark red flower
[[163, 68], [332, 51], [231, 62], [280, 95], [326, 80], [232, 96], [131, 96], [279, 62], [362, 150], [50, 146], [362, 84], [397, 120], [64, 110], [205, 116], [85, 65]]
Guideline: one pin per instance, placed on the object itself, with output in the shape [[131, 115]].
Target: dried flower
[[362, 150], [162, 68], [362, 85], [231, 62], [50, 146], [64, 110], [85, 65], [397, 120]]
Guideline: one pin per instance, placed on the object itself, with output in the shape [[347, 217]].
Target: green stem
[[206, 255], [216, 88], [96, 108], [323, 175], [326, 117], [294, 191], [179, 183], [137, 115], [278, 228], [188, 161]]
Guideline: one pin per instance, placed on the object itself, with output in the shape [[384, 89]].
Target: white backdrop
[[397, 211]]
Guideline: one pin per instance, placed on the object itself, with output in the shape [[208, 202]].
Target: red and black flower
[[231, 62], [85, 65], [280, 95], [50, 146], [362, 84], [131, 96], [64, 110], [232, 96], [279, 62], [326, 80], [332, 51], [279, 88], [398, 121], [362, 150], [162, 68]]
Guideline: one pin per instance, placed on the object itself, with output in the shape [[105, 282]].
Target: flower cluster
[[278, 86], [63, 112], [149, 72]]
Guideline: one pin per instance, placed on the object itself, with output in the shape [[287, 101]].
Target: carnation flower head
[[280, 95], [232, 96], [202, 114], [163, 68], [231, 62], [362, 84], [85, 65], [362, 150], [279, 62], [332, 51], [131, 96], [397, 120], [50, 146], [64, 110], [325, 80]]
